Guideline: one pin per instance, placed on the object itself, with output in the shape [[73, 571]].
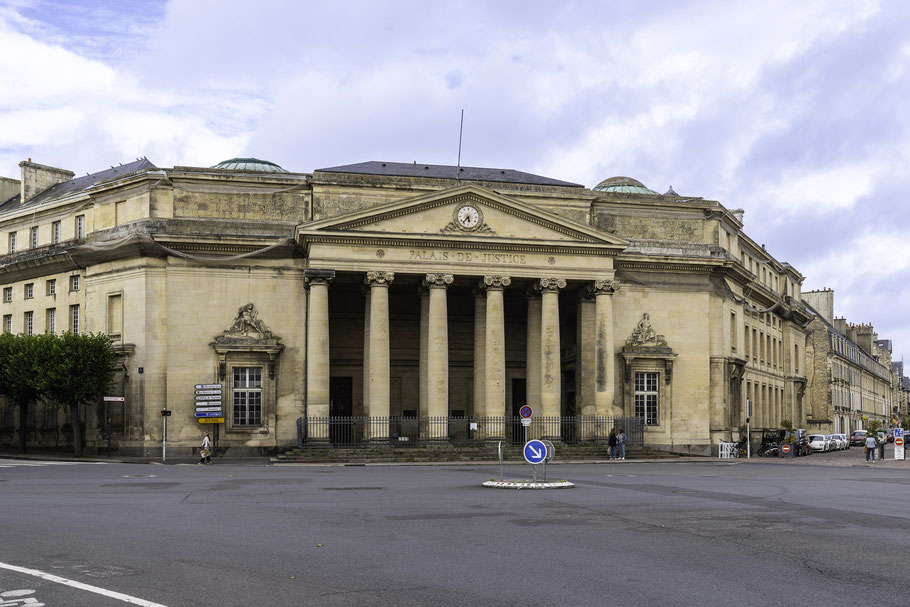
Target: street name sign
[[208, 409], [209, 397], [208, 386], [535, 452], [114, 399], [207, 414], [208, 391]]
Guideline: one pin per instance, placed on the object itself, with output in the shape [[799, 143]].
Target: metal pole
[[164, 440], [748, 440], [107, 405]]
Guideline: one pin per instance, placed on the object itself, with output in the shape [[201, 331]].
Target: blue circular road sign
[[535, 451]]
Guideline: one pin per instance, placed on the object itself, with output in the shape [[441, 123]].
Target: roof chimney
[[36, 178]]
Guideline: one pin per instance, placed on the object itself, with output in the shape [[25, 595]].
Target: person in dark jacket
[[612, 442]]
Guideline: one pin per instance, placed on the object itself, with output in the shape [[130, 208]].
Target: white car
[[833, 442], [818, 443], [844, 441]]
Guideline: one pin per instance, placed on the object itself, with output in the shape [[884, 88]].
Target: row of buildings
[[419, 302]]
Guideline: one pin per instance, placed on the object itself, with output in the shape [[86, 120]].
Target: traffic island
[[529, 484]]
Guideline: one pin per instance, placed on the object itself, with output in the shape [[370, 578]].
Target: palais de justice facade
[[389, 292]]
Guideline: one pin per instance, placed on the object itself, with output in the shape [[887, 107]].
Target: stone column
[[550, 356], [495, 356], [378, 392], [604, 367], [480, 353], [586, 339], [366, 351], [532, 352], [422, 407], [317, 359], [438, 356]]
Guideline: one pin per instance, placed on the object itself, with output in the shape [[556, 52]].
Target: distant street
[[675, 533]]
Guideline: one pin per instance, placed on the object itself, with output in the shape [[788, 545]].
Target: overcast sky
[[793, 111]]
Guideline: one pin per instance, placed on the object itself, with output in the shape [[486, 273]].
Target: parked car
[[882, 438], [818, 443], [890, 434], [838, 443], [844, 441], [858, 438]]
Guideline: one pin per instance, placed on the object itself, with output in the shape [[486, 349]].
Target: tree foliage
[[69, 369]]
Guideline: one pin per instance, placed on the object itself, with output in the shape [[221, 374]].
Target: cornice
[[421, 241]]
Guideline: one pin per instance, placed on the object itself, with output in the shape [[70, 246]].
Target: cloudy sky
[[793, 111]]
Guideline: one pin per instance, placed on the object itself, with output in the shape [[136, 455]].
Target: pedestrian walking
[[870, 448], [205, 452], [612, 442], [621, 443]]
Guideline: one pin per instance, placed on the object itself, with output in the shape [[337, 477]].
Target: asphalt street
[[826, 530]]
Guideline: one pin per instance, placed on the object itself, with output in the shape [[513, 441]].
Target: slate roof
[[441, 171], [76, 185]]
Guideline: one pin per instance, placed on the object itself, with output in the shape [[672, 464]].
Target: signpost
[[899, 443], [525, 413], [535, 452], [208, 408]]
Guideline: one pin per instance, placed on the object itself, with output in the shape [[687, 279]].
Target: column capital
[[495, 283], [438, 281], [309, 281], [553, 285], [602, 287], [379, 279]]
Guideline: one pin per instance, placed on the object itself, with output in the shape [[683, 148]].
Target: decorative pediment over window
[[248, 334], [646, 343]]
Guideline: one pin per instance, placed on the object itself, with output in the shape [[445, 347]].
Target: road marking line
[[66, 582]]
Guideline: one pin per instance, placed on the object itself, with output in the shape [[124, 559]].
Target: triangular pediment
[[468, 213]]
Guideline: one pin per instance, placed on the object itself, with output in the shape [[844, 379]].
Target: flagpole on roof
[[460, 131]]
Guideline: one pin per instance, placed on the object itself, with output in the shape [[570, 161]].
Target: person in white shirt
[[870, 448]]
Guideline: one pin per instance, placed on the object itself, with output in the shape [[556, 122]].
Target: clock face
[[468, 217]]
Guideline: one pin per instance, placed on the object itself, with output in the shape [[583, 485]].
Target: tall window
[[7, 294], [733, 331], [51, 320], [247, 396], [646, 396], [29, 323], [74, 318], [74, 283], [33, 238], [55, 232], [80, 226], [29, 290], [51, 286], [7, 323], [12, 242]]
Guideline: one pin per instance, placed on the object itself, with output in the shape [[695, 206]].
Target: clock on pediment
[[467, 218]]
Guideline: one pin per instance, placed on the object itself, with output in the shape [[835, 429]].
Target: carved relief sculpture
[[247, 323], [645, 334]]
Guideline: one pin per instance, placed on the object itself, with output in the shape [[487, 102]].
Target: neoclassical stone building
[[401, 302], [851, 377]]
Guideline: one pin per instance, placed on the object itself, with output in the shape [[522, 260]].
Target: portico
[[464, 295]]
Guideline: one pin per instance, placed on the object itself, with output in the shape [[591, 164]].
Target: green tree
[[79, 371], [21, 360]]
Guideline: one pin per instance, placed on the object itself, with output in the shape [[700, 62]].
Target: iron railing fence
[[398, 431]]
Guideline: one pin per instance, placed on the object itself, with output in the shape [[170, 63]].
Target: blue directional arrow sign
[[535, 451], [217, 414]]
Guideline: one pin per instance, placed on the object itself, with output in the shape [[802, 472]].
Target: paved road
[[677, 533]]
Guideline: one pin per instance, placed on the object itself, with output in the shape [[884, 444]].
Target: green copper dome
[[249, 164], [623, 185]]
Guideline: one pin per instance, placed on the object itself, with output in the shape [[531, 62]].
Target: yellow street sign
[[211, 420]]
